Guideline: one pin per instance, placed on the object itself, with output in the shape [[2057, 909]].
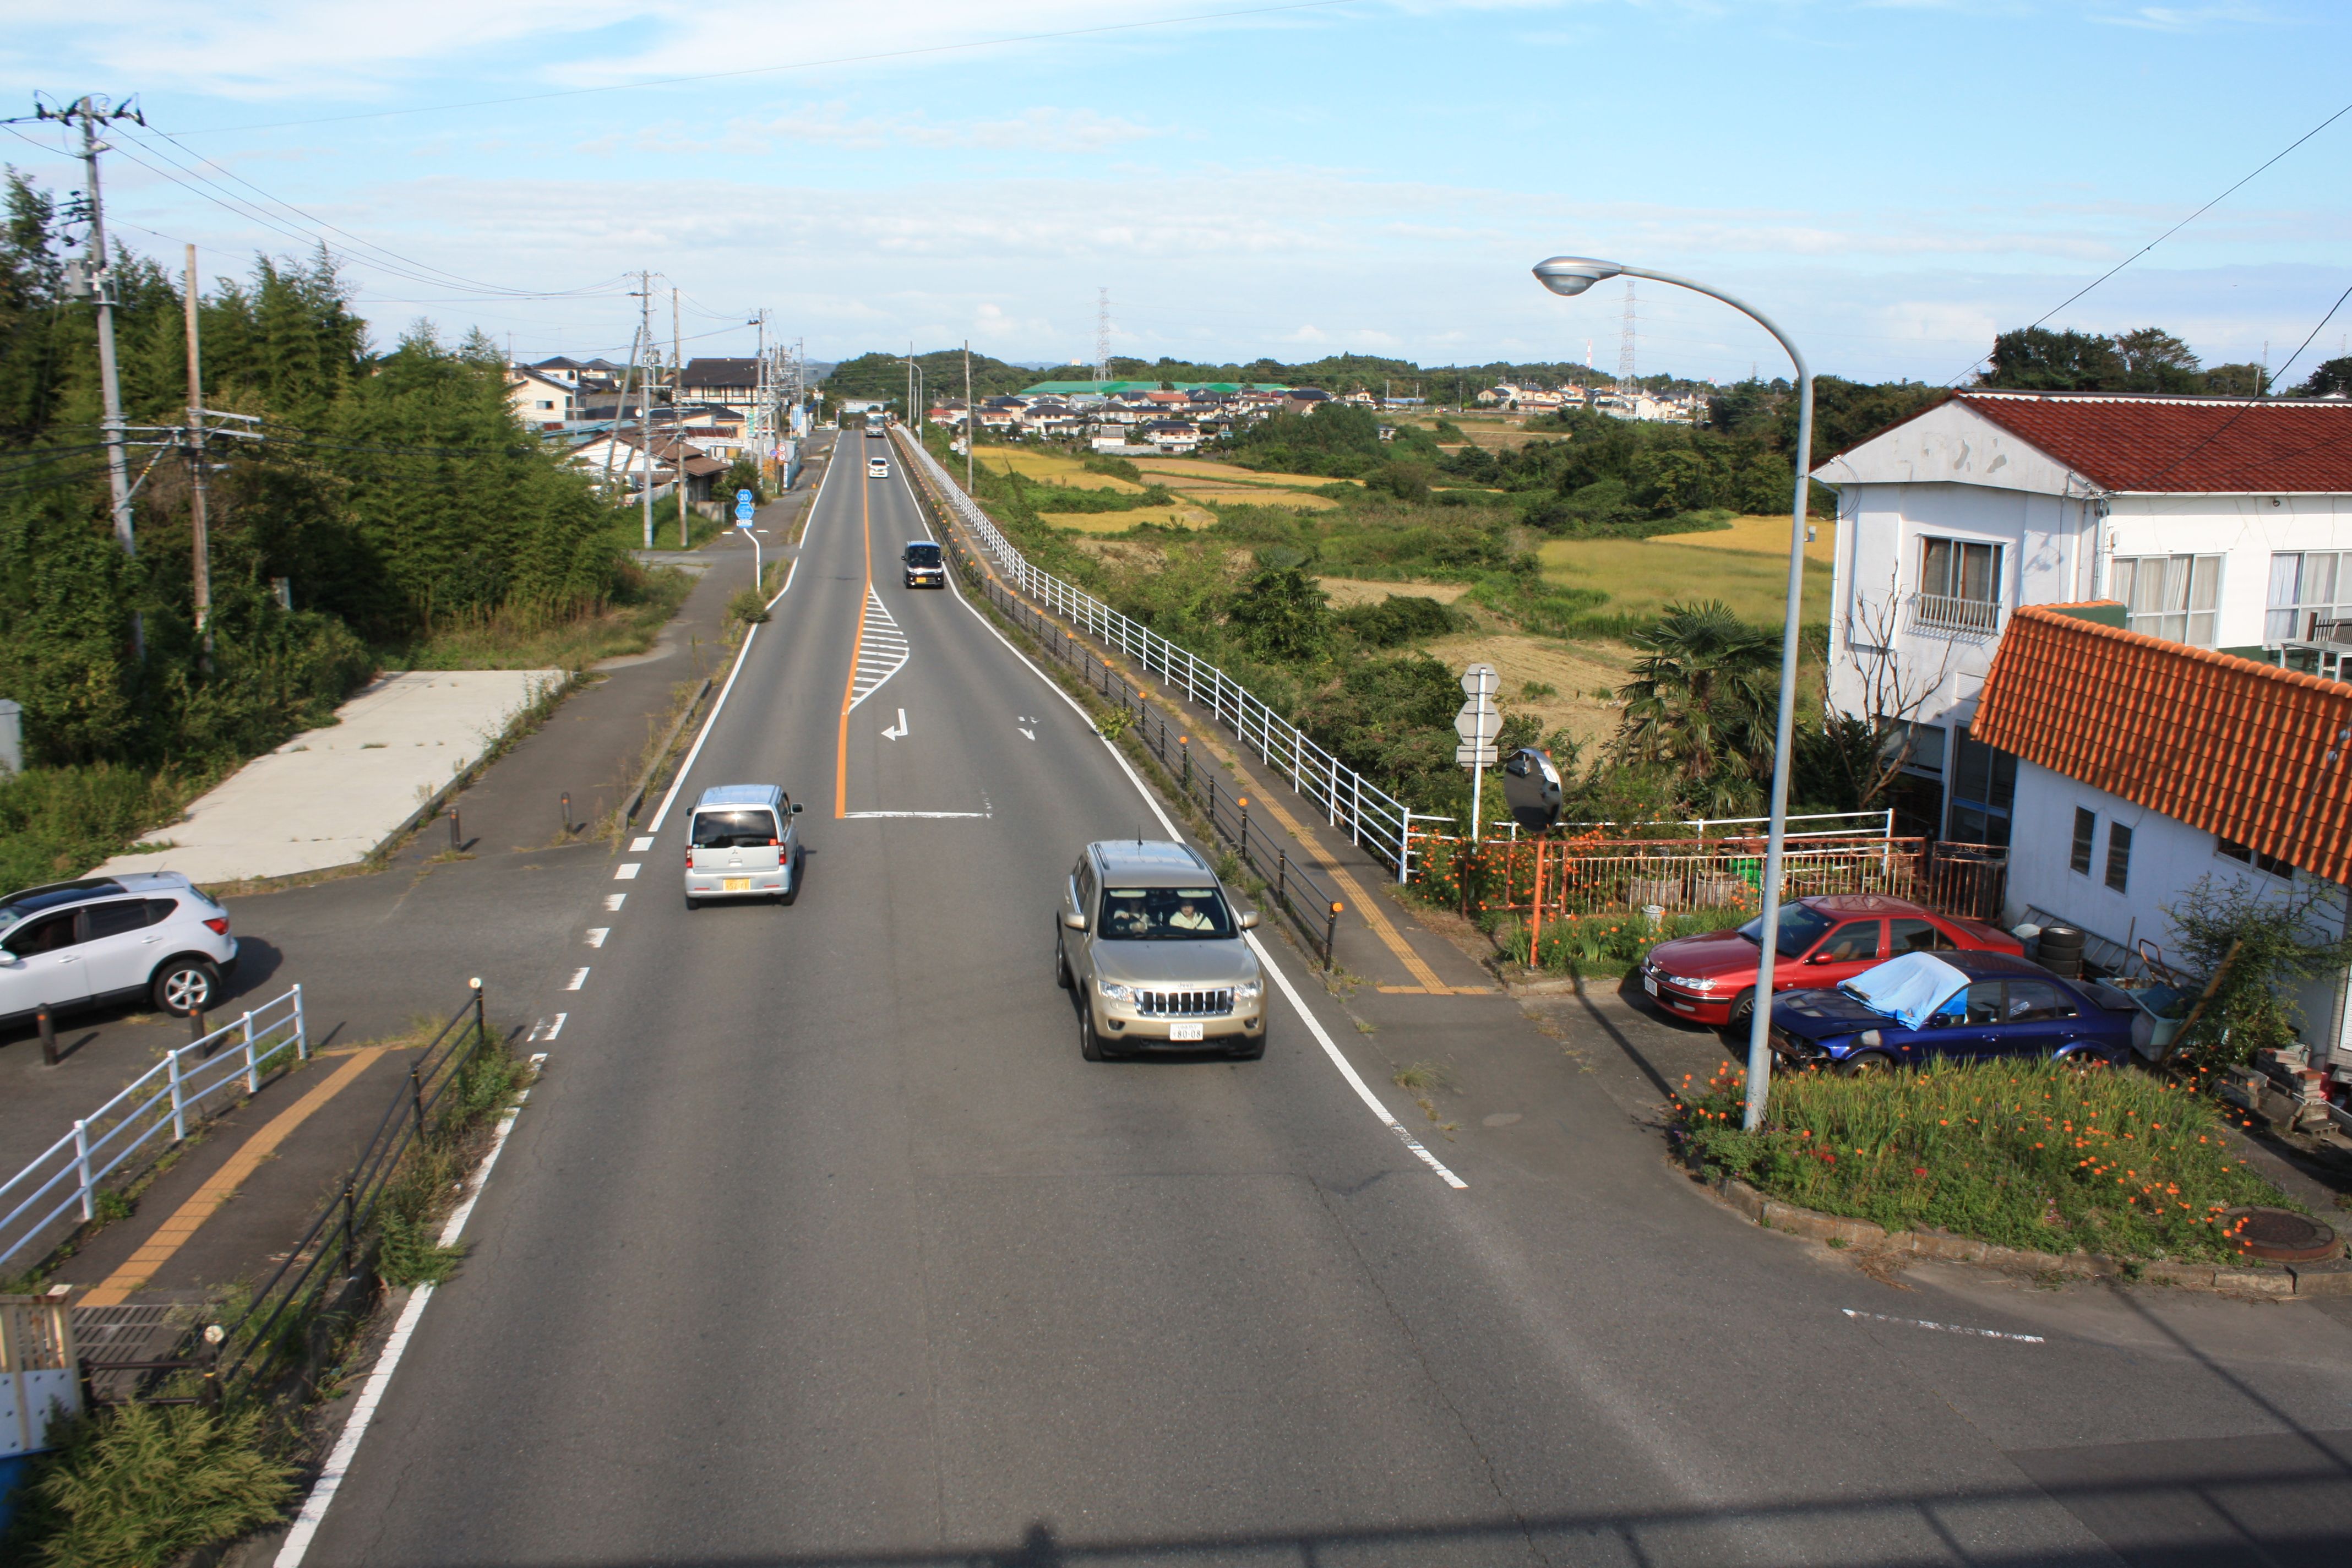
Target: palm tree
[[1702, 696]]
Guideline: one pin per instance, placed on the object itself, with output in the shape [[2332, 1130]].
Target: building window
[[2171, 596], [2119, 855], [2306, 587], [1984, 783], [1959, 586], [2086, 831], [2247, 855]]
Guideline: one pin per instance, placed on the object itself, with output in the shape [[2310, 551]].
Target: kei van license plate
[[1650, 983], [743, 885], [1184, 1031]]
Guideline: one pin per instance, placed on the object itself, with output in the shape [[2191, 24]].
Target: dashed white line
[[579, 978], [546, 1029], [596, 935], [626, 872], [1946, 1327], [639, 846], [615, 901]]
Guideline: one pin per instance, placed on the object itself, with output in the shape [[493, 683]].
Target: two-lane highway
[[819, 1244]]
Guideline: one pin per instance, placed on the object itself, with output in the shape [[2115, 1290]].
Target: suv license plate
[[743, 885], [1184, 1031], [1650, 983]]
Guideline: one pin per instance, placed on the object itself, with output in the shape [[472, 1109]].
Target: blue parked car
[[1961, 1006]]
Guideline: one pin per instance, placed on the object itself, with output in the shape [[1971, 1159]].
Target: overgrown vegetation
[[2043, 1156], [2257, 946], [141, 1484], [422, 1190]]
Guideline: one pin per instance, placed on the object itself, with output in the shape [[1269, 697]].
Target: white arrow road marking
[[546, 1029], [881, 653], [898, 734], [1031, 733], [1946, 1327], [579, 978], [596, 935]]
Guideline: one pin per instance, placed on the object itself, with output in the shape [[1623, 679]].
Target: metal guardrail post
[[82, 1169], [1184, 742], [416, 1098], [481, 1029], [350, 1202], [1282, 877], [49, 1028], [252, 1062], [1330, 935], [301, 1028], [1244, 844], [179, 1098]]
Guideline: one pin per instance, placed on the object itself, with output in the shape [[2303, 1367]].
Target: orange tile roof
[[2249, 752]]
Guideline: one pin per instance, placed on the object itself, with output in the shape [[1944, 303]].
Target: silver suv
[[1155, 954], [150, 936]]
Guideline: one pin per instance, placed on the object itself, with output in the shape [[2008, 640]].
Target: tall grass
[[2040, 1155], [58, 822], [519, 637], [138, 1486]]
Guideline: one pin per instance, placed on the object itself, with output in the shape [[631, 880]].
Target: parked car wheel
[[1090, 1044], [185, 986], [1743, 1008], [1862, 1064], [1061, 963]]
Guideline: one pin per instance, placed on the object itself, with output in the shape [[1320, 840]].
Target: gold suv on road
[[1156, 955]]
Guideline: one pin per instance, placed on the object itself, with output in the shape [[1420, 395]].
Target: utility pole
[[202, 570], [678, 439], [645, 398], [970, 422], [92, 111]]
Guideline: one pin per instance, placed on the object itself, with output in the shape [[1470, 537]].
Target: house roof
[[2251, 753], [2178, 445]]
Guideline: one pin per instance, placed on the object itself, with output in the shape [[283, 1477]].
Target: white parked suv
[[149, 937]]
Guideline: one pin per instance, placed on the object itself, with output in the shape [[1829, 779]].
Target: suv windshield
[[922, 555], [1799, 928], [754, 828], [1165, 914]]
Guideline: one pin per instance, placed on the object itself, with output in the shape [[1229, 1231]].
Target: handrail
[[158, 1099], [1371, 816]]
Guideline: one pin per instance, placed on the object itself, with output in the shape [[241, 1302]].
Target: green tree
[[2237, 381], [2035, 359], [2156, 361], [2332, 379], [1283, 615], [1701, 698]]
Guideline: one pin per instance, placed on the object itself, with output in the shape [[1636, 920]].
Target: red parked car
[[1711, 978]]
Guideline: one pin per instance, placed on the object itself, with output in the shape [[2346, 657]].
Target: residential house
[[2218, 523], [1171, 437], [628, 458], [2145, 764], [734, 382], [540, 402]]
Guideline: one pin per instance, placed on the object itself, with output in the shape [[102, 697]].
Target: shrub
[[2040, 1155], [140, 1485]]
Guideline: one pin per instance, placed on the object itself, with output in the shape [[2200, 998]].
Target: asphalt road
[[819, 1244]]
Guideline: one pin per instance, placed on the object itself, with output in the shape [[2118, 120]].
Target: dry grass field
[[1761, 536], [1346, 593], [1641, 576], [1584, 677], [1178, 515]]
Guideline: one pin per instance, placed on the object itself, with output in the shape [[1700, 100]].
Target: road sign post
[[743, 521], [1478, 724]]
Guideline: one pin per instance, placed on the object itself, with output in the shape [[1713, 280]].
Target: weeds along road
[[819, 1244]]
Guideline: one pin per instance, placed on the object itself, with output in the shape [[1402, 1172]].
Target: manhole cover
[[2280, 1234]]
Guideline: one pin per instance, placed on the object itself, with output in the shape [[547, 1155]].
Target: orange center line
[[856, 648]]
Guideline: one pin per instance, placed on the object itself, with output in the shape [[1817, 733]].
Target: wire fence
[[1372, 817], [188, 1086]]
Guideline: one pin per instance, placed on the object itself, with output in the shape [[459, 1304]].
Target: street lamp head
[[1574, 274]]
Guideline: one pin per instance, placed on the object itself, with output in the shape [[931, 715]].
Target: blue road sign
[[744, 498], [743, 511]]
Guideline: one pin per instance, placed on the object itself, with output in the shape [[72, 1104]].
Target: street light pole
[[1573, 275]]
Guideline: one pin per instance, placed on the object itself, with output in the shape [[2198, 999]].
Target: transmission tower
[[1625, 347], [1102, 335]]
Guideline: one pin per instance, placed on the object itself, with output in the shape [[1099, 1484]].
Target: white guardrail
[[1373, 818], [162, 1098]]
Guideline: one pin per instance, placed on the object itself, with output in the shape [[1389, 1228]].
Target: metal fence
[[1371, 816], [63, 1180], [1555, 878]]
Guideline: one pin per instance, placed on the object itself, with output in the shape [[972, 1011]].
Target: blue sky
[[1894, 181]]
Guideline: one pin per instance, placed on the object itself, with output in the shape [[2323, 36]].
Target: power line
[[2167, 234], [1006, 41]]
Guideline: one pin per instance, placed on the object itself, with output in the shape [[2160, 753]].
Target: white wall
[[2244, 529], [2168, 858]]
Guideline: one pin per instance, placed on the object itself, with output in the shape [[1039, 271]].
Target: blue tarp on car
[[1909, 988]]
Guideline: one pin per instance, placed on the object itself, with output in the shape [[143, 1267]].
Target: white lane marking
[[1031, 733], [639, 846], [933, 815], [1298, 1005], [536, 1061], [1946, 1327], [596, 935], [615, 901], [882, 652], [750, 633], [579, 978], [626, 872], [899, 734], [379, 1381], [547, 1029]]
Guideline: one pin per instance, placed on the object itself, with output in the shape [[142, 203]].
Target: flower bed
[[2040, 1156]]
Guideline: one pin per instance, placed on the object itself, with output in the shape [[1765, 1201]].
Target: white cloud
[[1041, 132]]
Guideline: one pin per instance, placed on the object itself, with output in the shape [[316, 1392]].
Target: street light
[[1573, 275]]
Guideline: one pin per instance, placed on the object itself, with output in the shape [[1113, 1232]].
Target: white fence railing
[[67, 1176], [1371, 816]]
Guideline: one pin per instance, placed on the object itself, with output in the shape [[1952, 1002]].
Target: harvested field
[[1349, 592], [1178, 470], [1178, 515], [1576, 671], [1641, 576], [1759, 536], [1052, 469]]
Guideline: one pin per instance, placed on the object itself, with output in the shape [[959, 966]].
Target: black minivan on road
[[925, 568]]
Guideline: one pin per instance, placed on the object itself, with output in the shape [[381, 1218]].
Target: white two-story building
[[2219, 523]]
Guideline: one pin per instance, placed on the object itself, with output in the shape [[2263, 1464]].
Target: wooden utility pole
[[970, 423], [646, 397], [202, 569], [678, 441]]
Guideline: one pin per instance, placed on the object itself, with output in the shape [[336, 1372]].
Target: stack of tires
[[2060, 951]]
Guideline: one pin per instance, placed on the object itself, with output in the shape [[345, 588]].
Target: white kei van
[[740, 843]]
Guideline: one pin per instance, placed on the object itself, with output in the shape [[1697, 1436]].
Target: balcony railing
[[1946, 612]]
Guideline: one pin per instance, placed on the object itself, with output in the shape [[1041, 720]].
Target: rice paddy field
[[1178, 515], [1195, 479], [1737, 565]]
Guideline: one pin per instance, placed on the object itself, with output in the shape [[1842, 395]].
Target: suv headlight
[[1114, 991], [1249, 990]]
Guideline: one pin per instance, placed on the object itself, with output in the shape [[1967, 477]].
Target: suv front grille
[[1183, 1004]]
